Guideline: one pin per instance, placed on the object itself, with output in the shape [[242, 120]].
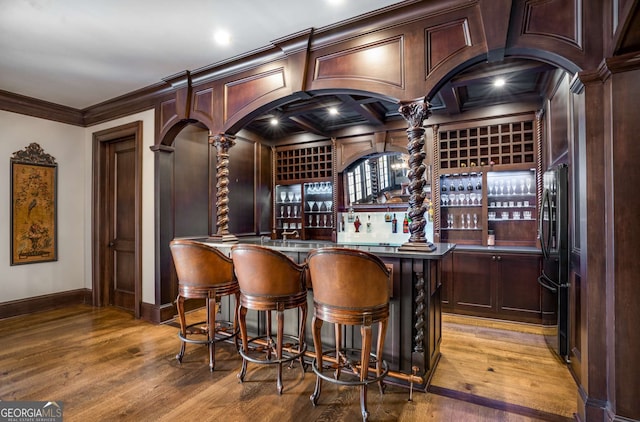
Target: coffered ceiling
[[525, 81]]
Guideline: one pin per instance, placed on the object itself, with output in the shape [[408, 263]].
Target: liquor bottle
[[394, 224], [368, 224], [357, 224], [405, 224], [342, 222], [387, 216]]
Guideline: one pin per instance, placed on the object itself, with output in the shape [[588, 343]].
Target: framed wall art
[[34, 230]]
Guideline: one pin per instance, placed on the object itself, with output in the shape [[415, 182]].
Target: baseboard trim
[[45, 302]]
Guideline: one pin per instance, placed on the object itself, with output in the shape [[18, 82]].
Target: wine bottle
[[405, 224], [394, 224]]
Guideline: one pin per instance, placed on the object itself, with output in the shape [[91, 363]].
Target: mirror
[[378, 179]]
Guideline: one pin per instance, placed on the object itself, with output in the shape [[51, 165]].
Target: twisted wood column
[[222, 142], [435, 184], [415, 113], [375, 187], [420, 323]]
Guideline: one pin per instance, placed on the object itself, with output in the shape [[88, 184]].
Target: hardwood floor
[[103, 364], [503, 365]]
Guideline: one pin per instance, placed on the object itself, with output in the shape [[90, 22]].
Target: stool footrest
[[369, 380], [265, 342], [224, 331]]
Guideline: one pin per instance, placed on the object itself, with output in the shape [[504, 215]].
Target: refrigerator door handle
[[544, 243], [543, 280]]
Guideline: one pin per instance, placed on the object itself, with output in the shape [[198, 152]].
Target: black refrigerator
[[553, 230]]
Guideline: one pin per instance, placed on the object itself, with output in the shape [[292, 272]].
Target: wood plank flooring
[[505, 365], [104, 365]]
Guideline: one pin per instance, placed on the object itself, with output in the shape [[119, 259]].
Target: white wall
[[66, 143], [71, 146]]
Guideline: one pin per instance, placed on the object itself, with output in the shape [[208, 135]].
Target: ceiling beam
[[365, 110], [306, 125]]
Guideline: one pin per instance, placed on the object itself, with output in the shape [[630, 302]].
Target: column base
[[417, 247], [222, 238]]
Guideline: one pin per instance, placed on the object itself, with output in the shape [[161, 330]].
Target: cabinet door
[[474, 284], [518, 288]]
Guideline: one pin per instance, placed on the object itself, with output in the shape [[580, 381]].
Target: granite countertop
[[295, 245]]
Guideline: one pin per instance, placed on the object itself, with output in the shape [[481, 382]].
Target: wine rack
[[504, 143], [311, 162]]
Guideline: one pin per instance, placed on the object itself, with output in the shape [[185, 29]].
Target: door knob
[[110, 244]]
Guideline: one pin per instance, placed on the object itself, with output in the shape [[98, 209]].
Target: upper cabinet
[[487, 183], [304, 199]]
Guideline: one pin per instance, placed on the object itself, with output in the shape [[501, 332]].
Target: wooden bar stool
[[350, 287], [204, 273], [270, 281]]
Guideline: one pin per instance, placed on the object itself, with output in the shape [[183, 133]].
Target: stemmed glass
[[475, 221], [328, 205], [310, 221], [281, 211], [501, 184], [472, 197], [311, 205], [295, 211], [450, 220], [288, 211], [528, 185], [468, 226], [282, 196]]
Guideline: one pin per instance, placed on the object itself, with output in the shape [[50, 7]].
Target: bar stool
[[270, 281], [204, 273], [350, 287]]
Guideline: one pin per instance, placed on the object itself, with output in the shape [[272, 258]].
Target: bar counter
[[412, 343]]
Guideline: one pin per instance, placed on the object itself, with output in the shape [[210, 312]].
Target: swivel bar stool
[[204, 273], [350, 287], [270, 281]]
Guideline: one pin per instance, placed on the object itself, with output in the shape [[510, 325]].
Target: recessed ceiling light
[[333, 111], [499, 82], [274, 121], [222, 37]]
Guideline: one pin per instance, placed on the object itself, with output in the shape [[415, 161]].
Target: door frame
[[99, 220]]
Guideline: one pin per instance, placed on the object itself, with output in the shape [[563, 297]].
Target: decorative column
[[222, 142], [415, 113], [375, 186]]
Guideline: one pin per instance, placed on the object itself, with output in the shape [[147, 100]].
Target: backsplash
[[379, 230]]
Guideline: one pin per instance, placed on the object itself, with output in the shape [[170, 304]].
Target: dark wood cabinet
[[494, 285], [518, 291], [474, 283]]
